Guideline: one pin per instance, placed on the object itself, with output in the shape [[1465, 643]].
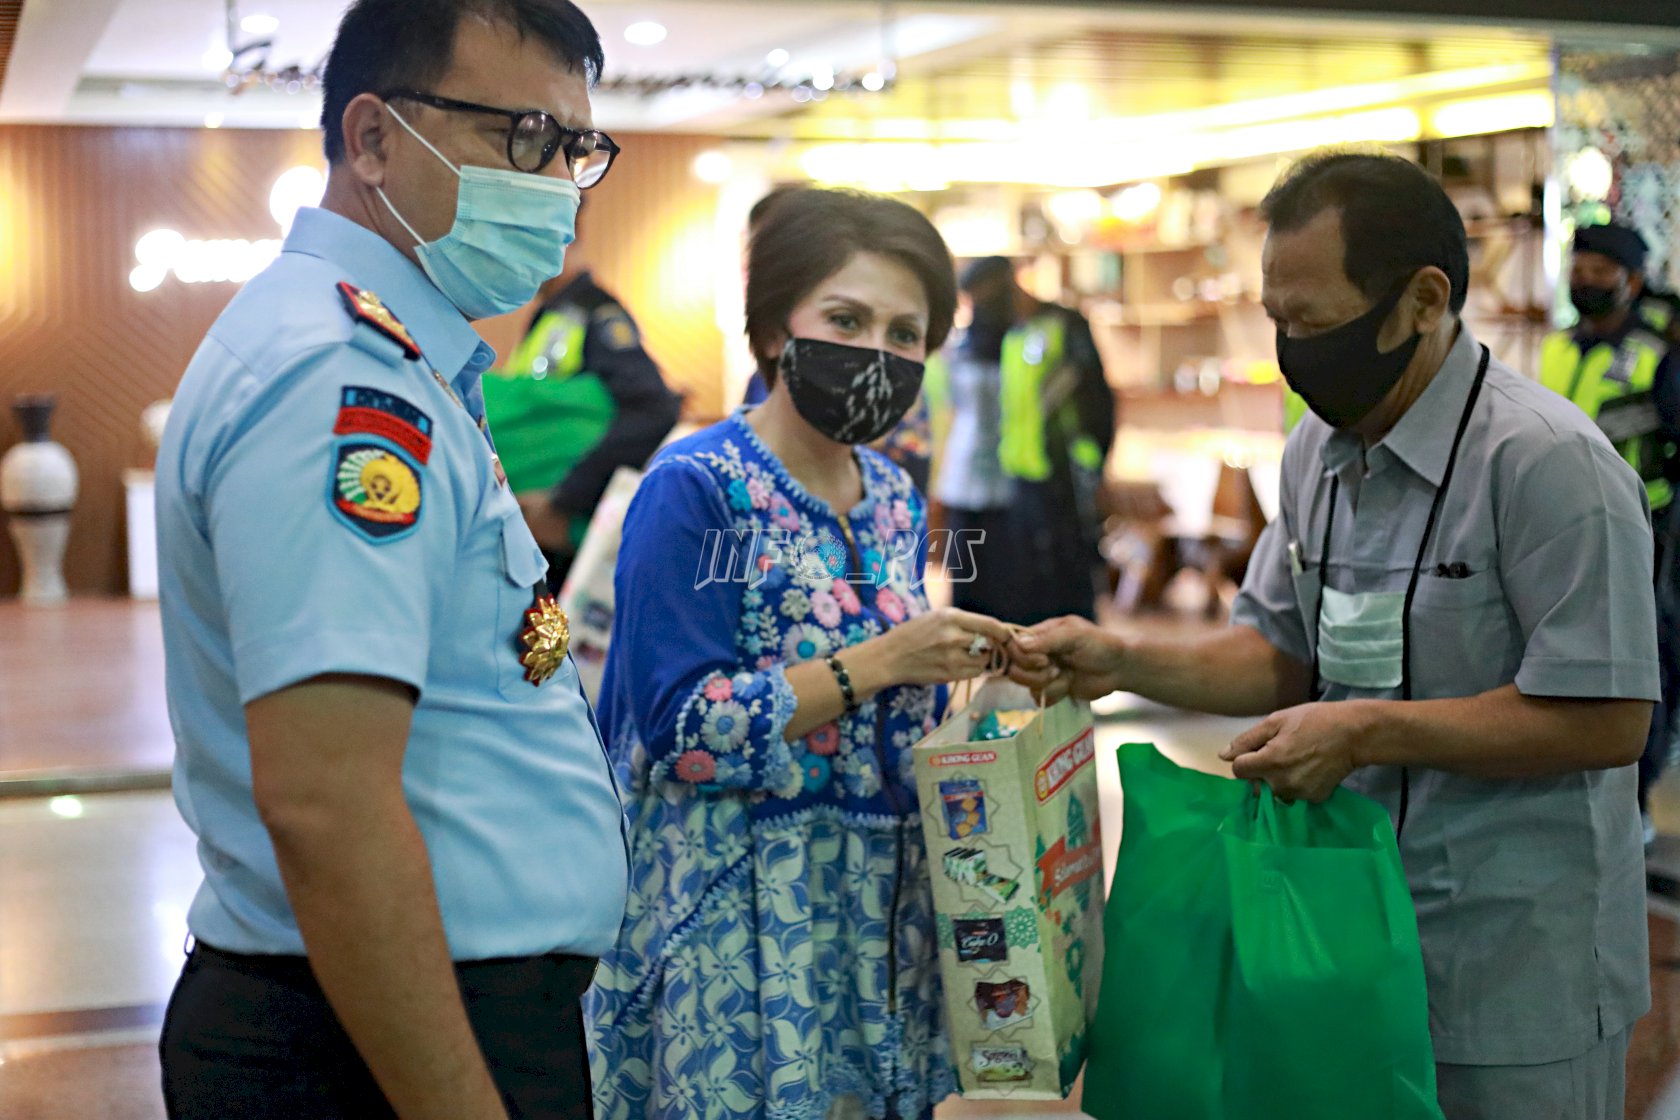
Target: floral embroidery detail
[[827, 610], [902, 518], [832, 555], [696, 766], [846, 597], [767, 661], [758, 493], [890, 605], [872, 563], [782, 513], [804, 642], [825, 740], [719, 688], [796, 605], [726, 726], [739, 498], [818, 771]]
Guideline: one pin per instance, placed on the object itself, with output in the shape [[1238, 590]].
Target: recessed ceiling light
[[260, 24], [212, 120], [645, 33], [873, 82], [822, 77], [777, 58], [216, 58]]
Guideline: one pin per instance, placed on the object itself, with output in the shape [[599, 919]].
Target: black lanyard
[[1417, 567]]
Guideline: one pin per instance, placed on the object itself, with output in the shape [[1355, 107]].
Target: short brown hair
[[809, 235]]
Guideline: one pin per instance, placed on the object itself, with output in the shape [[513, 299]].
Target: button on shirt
[[1530, 894], [269, 578]]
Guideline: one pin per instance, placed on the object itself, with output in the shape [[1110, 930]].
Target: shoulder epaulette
[[365, 307]]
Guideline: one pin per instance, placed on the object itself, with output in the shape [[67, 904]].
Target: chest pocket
[[522, 574], [1464, 638]]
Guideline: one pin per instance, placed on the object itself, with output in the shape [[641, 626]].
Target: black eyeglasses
[[534, 137]]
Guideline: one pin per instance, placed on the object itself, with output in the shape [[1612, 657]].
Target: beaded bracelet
[[845, 681]]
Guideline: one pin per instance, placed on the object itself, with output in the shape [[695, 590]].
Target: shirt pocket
[[522, 572], [1463, 638]]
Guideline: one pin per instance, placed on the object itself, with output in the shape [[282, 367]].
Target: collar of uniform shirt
[[446, 340], [1424, 436]]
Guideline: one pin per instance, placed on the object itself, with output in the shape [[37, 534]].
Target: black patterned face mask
[[849, 393]]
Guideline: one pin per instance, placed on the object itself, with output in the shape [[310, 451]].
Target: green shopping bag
[[1262, 959]]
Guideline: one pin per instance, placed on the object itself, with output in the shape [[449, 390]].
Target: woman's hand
[[933, 648]]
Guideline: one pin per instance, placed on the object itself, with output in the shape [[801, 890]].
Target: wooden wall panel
[[73, 201]]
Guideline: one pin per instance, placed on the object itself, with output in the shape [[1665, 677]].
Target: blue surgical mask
[[510, 236]]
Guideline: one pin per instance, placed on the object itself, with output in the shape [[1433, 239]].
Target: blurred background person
[[1032, 419], [1610, 365], [761, 715], [577, 399]]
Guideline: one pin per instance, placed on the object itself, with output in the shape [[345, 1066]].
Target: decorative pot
[[38, 484]]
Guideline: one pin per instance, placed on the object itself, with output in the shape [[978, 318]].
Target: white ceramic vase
[[38, 484]]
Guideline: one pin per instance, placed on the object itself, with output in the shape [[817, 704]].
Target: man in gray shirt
[[1452, 614]]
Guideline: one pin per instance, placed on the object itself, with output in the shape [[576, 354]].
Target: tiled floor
[[94, 889]]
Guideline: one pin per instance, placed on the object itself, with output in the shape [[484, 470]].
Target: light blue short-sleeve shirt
[[1530, 894], [327, 505]]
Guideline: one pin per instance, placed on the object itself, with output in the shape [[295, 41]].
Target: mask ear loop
[[383, 197]]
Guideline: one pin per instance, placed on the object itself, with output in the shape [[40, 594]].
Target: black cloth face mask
[[1341, 374], [850, 394], [1592, 301]]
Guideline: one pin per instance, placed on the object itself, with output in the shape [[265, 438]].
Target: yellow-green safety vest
[[1031, 353], [1613, 385]]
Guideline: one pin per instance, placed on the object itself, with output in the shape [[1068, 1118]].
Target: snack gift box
[[1008, 793]]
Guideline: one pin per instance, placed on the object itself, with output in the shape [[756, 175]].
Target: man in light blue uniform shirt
[[411, 839]]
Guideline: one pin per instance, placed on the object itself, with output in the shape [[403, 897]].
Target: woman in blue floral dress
[[773, 661]]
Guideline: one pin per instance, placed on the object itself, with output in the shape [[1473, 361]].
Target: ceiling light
[[873, 82], [259, 25], [713, 166], [822, 77], [212, 120], [216, 58], [645, 33], [67, 807], [1479, 116], [777, 58]]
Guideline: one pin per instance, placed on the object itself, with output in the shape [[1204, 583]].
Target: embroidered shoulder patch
[[365, 307], [375, 484], [374, 490]]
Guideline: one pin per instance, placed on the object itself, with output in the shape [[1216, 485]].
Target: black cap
[[984, 269], [1620, 243]]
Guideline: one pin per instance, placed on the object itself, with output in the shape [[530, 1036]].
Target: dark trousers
[[1664, 524], [254, 1038], [1034, 563]]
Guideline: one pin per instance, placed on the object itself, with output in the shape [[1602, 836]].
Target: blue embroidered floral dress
[[778, 951]]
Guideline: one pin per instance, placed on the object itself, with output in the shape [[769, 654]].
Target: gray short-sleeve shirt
[[1530, 893]]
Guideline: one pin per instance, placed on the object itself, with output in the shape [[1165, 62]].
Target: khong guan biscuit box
[[1015, 850]]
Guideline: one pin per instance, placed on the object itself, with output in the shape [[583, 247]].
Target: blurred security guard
[[1031, 425], [1450, 615], [579, 398], [1609, 365], [410, 836]]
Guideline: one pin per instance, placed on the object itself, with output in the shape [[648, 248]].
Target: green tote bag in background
[[1262, 961]]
